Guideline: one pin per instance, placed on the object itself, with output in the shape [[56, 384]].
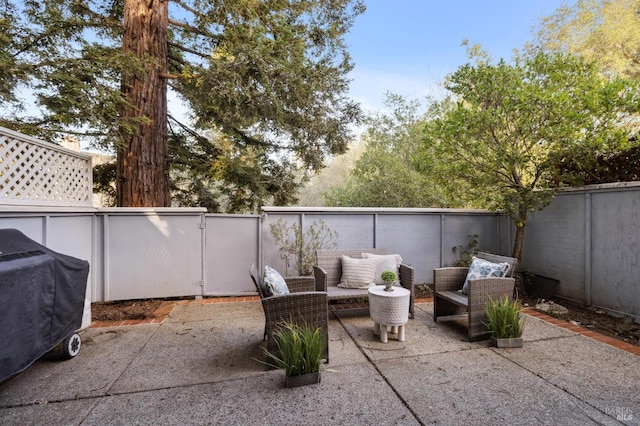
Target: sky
[[407, 47]]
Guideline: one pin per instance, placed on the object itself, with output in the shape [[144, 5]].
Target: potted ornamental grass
[[300, 349], [505, 321]]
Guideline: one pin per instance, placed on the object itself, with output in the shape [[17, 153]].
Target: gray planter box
[[512, 342], [302, 380]]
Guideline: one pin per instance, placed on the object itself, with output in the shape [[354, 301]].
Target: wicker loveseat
[[449, 302], [303, 305], [328, 271]]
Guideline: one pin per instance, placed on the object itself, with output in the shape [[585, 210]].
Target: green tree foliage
[[264, 80], [605, 31], [104, 176], [334, 175], [386, 174], [610, 167], [510, 125]]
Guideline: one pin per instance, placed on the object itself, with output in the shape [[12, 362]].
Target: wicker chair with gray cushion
[[328, 272], [449, 302], [303, 305]]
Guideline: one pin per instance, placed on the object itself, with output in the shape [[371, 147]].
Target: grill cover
[[42, 296]]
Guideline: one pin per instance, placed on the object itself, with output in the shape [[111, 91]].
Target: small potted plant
[[505, 321], [389, 277], [300, 353]]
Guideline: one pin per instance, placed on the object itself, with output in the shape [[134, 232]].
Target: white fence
[[588, 238], [33, 172], [425, 238]]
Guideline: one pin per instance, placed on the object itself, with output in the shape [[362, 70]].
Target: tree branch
[[186, 49], [199, 31], [187, 7], [176, 59], [185, 127], [253, 141]]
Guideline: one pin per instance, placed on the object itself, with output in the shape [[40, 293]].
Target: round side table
[[389, 308]]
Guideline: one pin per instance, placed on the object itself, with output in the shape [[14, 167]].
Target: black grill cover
[[41, 300]]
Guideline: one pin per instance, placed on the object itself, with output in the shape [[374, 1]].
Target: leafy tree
[[334, 175], [511, 124], [266, 77], [104, 175], [606, 31], [386, 174]]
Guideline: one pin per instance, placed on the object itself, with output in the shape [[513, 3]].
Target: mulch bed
[[124, 310]]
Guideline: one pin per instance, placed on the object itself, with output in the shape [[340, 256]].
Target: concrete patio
[[199, 367]]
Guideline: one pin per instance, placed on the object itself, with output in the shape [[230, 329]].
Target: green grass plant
[[504, 318], [300, 349]]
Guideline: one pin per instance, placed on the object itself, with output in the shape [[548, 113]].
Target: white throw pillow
[[357, 273], [273, 282], [389, 262], [481, 268]]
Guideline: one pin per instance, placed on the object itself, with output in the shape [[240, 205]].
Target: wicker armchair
[[449, 302], [303, 305]]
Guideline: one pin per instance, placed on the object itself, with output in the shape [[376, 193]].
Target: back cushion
[[386, 262], [330, 261], [357, 273]]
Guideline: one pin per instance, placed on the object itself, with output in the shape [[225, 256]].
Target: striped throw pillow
[[357, 273]]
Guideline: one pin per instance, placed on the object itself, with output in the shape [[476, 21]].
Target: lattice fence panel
[[33, 172]]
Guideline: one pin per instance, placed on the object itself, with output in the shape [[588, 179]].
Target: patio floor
[[199, 367]]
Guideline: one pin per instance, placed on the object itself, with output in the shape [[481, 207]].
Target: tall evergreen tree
[[265, 78]]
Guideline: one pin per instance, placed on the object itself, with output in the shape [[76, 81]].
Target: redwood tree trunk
[[142, 173]]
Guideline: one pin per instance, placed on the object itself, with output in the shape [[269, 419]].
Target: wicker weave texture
[[328, 271], [303, 306], [389, 308], [307, 308], [482, 292], [331, 261], [451, 279]]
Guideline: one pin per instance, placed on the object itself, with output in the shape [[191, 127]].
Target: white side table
[[389, 308]]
